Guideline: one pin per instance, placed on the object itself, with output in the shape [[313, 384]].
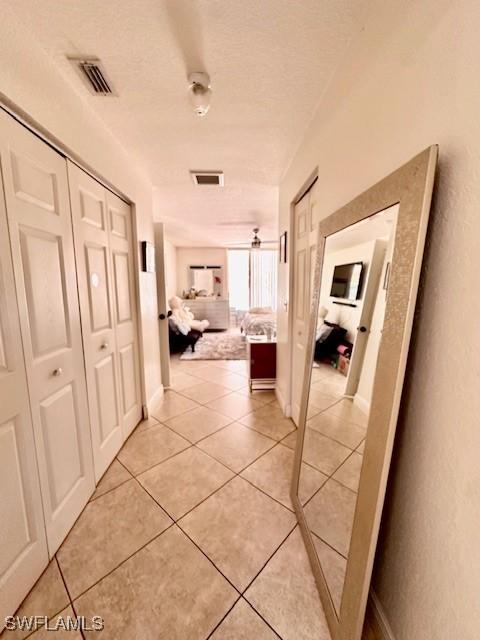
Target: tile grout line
[[274, 552], [330, 477], [329, 546], [208, 558], [172, 524], [223, 617], [175, 522], [93, 499], [261, 616], [68, 592]]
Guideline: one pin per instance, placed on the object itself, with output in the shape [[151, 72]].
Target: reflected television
[[347, 281]]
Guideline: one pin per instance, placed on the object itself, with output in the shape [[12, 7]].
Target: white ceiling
[[269, 63]]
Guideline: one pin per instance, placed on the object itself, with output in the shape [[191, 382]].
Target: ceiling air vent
[[207, 178], [93, 75]]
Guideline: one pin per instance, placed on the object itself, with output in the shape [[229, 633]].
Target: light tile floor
[[191, 534]]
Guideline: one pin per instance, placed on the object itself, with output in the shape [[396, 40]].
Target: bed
[[258, 321]]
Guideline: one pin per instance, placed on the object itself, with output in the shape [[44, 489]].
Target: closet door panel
[[23, 548], [38, 211], [122, 252], [96, 292], [106, 388]]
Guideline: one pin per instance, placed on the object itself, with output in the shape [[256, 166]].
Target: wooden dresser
[[215, 310], [262, 362]]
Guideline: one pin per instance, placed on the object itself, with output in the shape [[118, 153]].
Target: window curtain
[[239, 279], [263, 278]]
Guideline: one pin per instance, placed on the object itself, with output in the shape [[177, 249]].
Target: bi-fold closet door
[[41, 243], [104, 252], [67, 317], [23, 545]]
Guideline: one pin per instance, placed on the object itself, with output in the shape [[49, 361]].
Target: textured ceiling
[[269, 62]]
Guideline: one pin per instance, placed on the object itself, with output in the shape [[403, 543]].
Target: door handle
[[162, 316], [362, 329], [57, 372], [104, 346]]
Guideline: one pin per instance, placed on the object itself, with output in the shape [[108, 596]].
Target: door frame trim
[[302, 191], [23, 118]]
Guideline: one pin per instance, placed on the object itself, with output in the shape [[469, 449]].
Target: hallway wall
[[410, 79], [170, 269], [33, 84]]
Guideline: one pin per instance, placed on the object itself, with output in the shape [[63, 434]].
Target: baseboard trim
[[281, 401], [378, 619], [154, 400], [361, 403]]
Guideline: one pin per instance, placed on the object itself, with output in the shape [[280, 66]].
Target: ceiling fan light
[[200, 92], [256, 242]]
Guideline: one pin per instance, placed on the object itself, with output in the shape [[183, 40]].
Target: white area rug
[[218, 346]]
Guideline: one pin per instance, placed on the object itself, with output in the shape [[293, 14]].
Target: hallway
[[191, 533]]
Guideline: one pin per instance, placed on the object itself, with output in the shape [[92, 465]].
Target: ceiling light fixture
[[200, 92]]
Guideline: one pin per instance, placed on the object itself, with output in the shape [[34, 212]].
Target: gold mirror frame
[[410, 187]]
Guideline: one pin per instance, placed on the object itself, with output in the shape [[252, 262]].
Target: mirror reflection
[[353, 291], [206, 280]]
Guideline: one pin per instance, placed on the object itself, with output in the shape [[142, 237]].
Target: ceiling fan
[[255, 242]]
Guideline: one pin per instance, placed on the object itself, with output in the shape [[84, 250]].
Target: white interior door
[[305, 228], [125, 310], [160, 269], [23, 546], [38, 210], [370, 291], [91, 236]]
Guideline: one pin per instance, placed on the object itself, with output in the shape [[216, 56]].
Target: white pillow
[[183, 327]]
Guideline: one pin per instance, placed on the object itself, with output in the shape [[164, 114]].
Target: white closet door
[[38, 210], [90, 230], [125, 314], [23, 546]]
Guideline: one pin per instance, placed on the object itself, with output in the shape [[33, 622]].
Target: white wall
[[170, 269], [32, 83], [187, 256], [410, 79]]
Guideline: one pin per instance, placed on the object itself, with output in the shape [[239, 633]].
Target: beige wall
[[30, 81], [187, 256], [411, 79]]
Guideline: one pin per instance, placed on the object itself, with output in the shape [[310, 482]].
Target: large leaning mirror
[[368, 261]]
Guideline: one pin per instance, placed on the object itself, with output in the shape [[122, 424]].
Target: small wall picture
[[148, 257], [283, 248]]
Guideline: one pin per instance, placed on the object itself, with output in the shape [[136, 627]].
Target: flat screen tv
[[347, 281]]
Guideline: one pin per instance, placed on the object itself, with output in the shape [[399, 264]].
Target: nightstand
[[262, 362]]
